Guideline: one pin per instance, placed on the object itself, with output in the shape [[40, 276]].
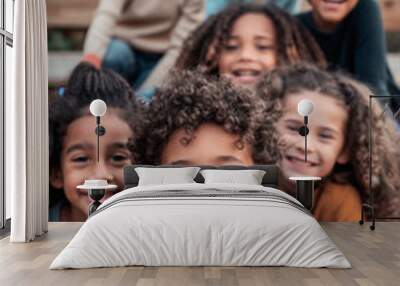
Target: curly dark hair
[[355, 95], [86, 84], [294, 43], [190, 99]]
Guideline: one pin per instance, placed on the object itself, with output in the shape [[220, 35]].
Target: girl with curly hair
[[199, 120], [337, 142], [244, 41], [73, 156]]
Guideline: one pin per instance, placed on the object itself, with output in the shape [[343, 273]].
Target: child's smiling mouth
[[334, 1], [246, 75], [300, 162], [332, 4]]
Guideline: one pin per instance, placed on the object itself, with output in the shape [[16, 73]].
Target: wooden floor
[[374, 255]]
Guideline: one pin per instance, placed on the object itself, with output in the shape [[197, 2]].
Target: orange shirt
[[337, 202]]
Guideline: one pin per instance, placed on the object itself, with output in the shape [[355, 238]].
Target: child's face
[[332, 12], [325, 141], [211, 145], [249, 51], [79, 156]]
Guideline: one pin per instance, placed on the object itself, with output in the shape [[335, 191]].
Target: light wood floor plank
[[375, 257]]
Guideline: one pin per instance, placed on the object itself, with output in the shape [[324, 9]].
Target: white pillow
[[163, 176], [248, 177]]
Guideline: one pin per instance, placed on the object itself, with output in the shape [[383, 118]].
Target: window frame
[[6, 39]]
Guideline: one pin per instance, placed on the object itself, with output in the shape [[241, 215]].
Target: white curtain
[[27, 143]]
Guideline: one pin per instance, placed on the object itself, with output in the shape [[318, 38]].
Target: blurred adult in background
[[350, 33], [140, 39]]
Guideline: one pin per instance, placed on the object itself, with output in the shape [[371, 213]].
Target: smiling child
[[244, 42], [337, 142], [73, 142]]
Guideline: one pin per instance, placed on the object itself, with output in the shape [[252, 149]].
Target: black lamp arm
[[305, 137], [303, 131], [100, 131]]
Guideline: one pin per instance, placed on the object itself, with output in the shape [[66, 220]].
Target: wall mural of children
[[350, 33], [198, 120], [73, 156], [337, 142], [245, 41]]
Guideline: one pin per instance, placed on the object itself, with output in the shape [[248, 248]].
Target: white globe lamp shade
[[305, 107], [98, 107]]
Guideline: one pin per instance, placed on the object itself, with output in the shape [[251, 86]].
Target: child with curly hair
[[244, 41], [337, 142], [73, 156], [199, 120]]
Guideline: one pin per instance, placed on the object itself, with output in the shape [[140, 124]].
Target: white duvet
[[225, 225]]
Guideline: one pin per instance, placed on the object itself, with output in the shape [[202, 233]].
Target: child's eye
[[264, 47], [326, 135], [80, 159], [119, 159], [293, 128], [230, 47]]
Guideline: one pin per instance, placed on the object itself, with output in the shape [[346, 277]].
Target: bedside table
[[305, 190], [96, 190]]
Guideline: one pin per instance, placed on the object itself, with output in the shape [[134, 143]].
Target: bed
[[201, 224]]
